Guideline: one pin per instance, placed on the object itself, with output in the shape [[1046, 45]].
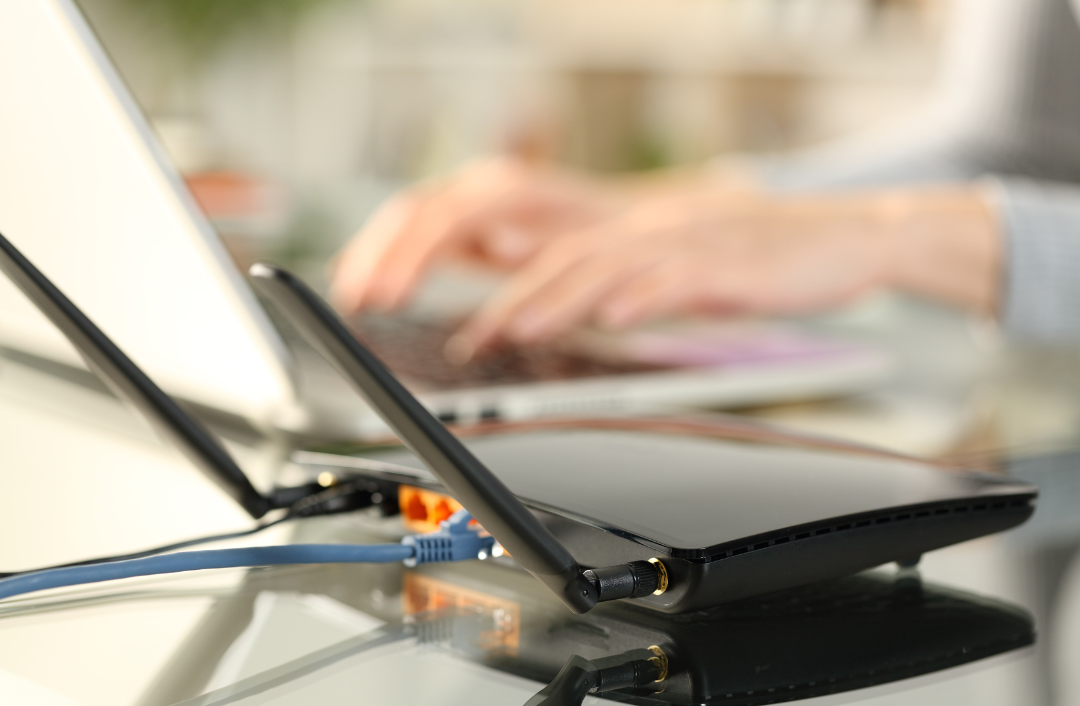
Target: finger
[[509, 244], [539, 307], [690, 284], [382, 262], [574, 297], [382, 265], [554, 290], [361, 257], [432, 230], [663, 289], [695, 282], [458, 215], [554, 259]]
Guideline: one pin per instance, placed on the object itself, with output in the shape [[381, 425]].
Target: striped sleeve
[[1041, 295]]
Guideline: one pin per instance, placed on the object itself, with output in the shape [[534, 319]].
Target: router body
[[731, 516], [696, 520]]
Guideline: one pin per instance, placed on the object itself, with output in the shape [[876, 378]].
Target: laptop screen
[[88, 195]]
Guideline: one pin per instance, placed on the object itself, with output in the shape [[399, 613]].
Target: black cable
[[305, 507]]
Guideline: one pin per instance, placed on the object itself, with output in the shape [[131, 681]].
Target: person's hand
[[497, 211], [748, 254]]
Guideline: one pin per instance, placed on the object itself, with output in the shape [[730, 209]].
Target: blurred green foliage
[[201, 26]]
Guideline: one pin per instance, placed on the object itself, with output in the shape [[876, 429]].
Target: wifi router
[[679, 522], [729, 518]]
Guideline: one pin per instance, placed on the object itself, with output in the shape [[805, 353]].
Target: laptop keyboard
[[414, 349]]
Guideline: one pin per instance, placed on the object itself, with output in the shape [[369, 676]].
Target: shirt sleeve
[[1041, 288], [1040, 225], [904, 158]]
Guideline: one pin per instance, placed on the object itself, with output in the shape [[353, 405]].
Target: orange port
[[422, 510], [426, 595]]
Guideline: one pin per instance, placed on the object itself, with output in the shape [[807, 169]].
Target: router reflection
[[821, 639], [483, 621]]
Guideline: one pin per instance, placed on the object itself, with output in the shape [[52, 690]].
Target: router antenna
[[470, 482], [130, 383]]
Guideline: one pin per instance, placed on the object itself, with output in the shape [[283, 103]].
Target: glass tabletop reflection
[[987, 622]]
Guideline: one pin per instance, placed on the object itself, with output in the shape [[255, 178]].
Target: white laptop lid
[[89, 196]]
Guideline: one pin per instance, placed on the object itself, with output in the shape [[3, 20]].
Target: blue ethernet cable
[[455, 541], [207, 559]]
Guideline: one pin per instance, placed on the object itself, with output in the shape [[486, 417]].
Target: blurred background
[[293, 119]]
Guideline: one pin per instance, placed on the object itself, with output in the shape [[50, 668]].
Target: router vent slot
[[951, 509]]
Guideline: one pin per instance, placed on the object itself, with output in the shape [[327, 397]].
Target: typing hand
[[497, 211], [744, 254]]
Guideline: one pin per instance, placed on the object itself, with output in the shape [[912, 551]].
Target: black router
[[680, 523], [737, 529]]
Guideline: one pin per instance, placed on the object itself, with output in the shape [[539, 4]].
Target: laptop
[[87, 192]]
